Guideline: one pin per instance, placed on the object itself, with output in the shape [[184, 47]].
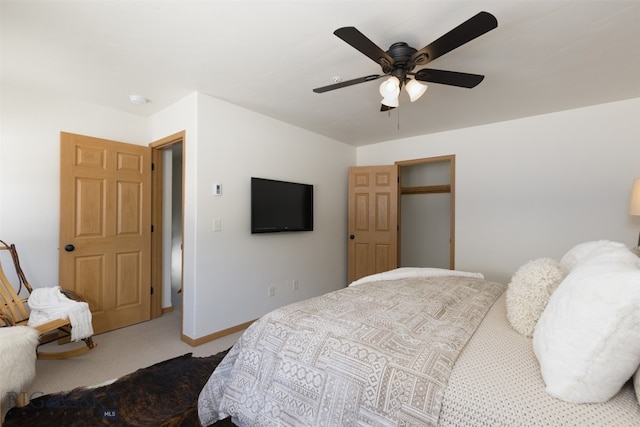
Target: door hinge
[[151, 290], [153, 166], [152, 229]]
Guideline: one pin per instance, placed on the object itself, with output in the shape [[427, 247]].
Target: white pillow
[[602, 250], [636, 384], [529, 291], [588, 338]]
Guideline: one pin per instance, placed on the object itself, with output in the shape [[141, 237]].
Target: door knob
[[69, 248], [352, 237]]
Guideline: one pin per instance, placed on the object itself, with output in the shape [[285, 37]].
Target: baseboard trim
[[214, 336], [166, 310]]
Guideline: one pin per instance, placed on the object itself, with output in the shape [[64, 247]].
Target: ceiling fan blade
[[452, 78], [474, 27], [347, 83], [361, 43]]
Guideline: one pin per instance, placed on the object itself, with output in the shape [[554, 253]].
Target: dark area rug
[[164, 395]]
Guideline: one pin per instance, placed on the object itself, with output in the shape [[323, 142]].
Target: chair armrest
[[8, 321]]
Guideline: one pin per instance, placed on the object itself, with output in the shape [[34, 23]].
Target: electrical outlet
[[294, 285], [217, 224], [272, 291]]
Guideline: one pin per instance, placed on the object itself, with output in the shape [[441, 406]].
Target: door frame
[[157, 194], [432, 189]]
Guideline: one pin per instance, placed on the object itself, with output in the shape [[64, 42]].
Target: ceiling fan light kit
[[392, 102], [390, 87], [401, 59], [415, 89], [390, 90]]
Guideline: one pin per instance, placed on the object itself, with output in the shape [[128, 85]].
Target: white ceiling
[[267, 56]]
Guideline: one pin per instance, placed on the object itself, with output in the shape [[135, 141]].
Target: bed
[[409, 347]]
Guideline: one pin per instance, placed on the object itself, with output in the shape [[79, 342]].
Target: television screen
[[280, 206]]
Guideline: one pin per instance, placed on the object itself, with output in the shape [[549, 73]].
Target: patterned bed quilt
[[376, 354]]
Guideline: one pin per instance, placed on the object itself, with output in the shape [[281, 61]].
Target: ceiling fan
[[401, 59]]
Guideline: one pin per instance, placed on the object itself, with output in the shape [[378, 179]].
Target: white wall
[[178, 117], [30, 126], [525, 188], [537, 186], [227, 273]]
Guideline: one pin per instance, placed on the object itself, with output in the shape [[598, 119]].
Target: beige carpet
[[121, 352]]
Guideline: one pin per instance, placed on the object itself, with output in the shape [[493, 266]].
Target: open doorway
[[427, 212], [172, 227], [167, 220]]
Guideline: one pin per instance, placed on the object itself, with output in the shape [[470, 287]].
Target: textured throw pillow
[[587, 340], [529, 291]]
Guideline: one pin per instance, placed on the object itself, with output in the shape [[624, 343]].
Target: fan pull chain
[[389, 115]]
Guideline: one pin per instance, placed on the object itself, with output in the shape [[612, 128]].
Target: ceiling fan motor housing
[[401, 53]]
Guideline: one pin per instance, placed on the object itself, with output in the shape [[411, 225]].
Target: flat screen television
[[280, 206]]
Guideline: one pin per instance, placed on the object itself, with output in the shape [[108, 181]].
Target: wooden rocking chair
[[13, 311]]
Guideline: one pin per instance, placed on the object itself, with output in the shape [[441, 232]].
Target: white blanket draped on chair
[[47, 304]]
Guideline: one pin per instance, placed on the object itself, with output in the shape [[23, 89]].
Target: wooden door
[[373, 220], [105, 227]]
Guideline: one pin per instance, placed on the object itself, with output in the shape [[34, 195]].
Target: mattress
[[496, 381]]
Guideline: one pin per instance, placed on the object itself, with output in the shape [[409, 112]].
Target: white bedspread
[[409, 272], [48, 304], [375, 355]]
